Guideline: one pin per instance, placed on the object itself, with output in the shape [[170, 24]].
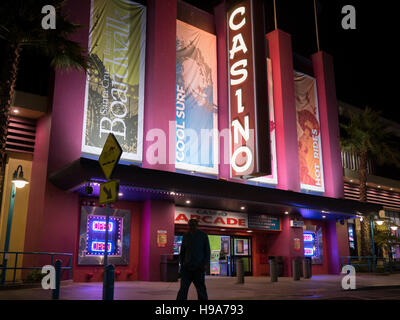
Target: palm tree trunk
[[6, 95], [365, 224]]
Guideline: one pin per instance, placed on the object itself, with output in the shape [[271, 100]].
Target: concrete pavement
[[369, 286]]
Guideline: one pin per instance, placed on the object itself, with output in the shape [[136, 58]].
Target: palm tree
[[21, 29], [368, 137]]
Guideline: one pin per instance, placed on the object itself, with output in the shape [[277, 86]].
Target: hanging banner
[[196, 100], [273, 177], [308, 134], [115, 87], [248, 94]]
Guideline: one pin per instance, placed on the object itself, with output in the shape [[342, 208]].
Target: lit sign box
[[308, 252], [92, 236], [98, 246], [264, 222], [96, 235], [101, 226], [248, 90], [308, 237]]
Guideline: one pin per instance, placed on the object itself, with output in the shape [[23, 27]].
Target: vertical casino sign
[[248, 90]]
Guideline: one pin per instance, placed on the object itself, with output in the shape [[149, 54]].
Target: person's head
[[193, 223]]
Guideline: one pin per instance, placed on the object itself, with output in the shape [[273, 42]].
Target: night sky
[[366, 59]]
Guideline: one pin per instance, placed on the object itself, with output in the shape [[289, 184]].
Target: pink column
[[333, 249], [283, 245], [280, 49], [328, 113], [160, 90], [223, 102], [156, 215]]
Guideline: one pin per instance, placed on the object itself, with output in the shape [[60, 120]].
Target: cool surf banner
[[196, 100], [115, 86], [308, 134]]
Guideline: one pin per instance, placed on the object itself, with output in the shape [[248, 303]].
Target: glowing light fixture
[[379, 222], [18, 179], [394, 228]]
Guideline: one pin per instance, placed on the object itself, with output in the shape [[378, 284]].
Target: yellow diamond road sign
[[109, 192], [110, 156]]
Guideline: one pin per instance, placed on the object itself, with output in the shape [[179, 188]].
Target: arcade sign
[[211, 218], [248, 90]]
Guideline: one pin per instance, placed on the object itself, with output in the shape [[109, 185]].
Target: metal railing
[[371, 264], [4, 268]]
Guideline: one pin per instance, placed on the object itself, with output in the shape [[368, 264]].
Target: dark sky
[[366, 59]]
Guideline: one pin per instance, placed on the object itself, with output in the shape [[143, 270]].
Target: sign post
[[108, 160]]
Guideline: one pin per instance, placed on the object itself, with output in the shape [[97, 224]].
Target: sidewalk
[[224, 288]]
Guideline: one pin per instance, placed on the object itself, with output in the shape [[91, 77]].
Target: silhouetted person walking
[[194, 258]]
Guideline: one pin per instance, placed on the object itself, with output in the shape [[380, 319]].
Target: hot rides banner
[[308, 134]]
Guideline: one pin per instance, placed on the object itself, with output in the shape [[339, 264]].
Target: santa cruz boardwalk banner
[[248, 90], [196, 100], [211, 218], [115, 85], [308, 134]]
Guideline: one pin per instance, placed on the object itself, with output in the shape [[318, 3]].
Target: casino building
[[217, 119]]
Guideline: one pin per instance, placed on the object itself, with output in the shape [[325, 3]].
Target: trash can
[[307, 268], [240, 271], [273, 268], [279, 260], [296, 268], [169, 267]]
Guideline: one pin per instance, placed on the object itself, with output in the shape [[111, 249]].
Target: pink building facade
[[306, 224]]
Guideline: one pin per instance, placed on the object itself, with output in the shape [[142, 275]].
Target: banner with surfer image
[[196, 100]]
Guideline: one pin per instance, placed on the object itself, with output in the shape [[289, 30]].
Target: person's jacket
[[195, 251]]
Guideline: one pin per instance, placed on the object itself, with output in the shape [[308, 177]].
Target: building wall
[[17, 238], [54, 214]]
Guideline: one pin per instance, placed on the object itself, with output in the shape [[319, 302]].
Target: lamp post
[[371, 226], [18, 181]]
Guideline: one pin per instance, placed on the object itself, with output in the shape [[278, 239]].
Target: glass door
[[241, 249]]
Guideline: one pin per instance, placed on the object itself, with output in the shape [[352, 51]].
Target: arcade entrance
[[225, 251]]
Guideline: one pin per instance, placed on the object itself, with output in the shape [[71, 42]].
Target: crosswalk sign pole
[[108, 160], [106, 281]]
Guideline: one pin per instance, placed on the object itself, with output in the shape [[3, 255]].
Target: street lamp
[[18, 181]]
